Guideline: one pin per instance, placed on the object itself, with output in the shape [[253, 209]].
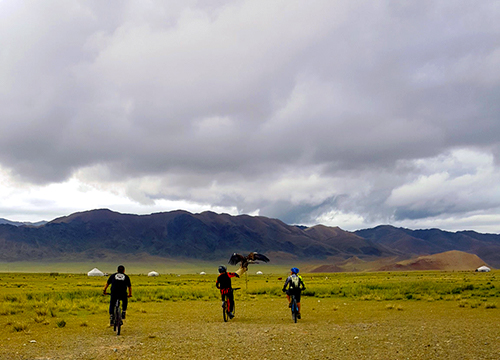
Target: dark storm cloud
[[275, 107]]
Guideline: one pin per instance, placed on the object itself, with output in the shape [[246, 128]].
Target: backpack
[[294, 281]]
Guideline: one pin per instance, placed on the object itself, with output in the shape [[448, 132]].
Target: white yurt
[[203, 273], [259, 272], [95, 272], [153, 273], [483, 269]]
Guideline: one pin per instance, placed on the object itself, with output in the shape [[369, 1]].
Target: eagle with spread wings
[[252, 258]]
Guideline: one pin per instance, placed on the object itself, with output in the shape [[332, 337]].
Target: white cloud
[[477, 221], [346, 221], [46, 202], [326, 110], [465, 180]]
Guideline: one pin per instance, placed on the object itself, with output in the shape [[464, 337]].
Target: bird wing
[[236, 258], [256, 256]]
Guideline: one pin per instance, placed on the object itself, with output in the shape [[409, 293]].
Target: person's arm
[[107, 284], [129, 286], [232, 274], [286, 284]]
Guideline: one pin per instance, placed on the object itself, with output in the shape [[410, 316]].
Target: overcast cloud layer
[[346, 113]]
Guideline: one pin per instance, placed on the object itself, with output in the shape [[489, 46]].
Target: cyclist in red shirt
[[224, 285]]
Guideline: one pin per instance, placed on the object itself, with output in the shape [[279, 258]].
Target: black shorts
[[295, 293], [112, 302]]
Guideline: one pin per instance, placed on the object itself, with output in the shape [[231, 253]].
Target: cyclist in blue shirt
[[295, 287]]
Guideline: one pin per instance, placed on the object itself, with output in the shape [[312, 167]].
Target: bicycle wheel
[[115, 321], [118, 331], [295, 310], [118, 319]]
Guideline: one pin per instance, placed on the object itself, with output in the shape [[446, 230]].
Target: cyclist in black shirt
[[119, 284]]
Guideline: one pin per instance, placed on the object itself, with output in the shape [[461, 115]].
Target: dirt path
[[263, 329]]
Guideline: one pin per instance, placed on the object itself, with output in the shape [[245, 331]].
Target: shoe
[[231, 315], [298, 315], [290, 305], [123, 314]]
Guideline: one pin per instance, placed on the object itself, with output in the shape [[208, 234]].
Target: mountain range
[[21, 223], [210, 236]]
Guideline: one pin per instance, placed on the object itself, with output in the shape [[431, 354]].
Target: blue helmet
[[222, 269], [294, 270]]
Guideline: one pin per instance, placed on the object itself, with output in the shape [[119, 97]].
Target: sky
[[336, 112]]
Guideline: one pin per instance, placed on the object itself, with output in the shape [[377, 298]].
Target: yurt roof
[[95, 271], [483, 268]]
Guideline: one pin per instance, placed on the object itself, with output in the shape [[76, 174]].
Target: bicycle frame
[[117, 314]]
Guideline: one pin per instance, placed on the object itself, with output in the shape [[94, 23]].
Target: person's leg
[[124, 306]]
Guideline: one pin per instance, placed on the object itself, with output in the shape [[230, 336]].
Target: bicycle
[[117, 317], [117, 325], [226, 306], [295, 308]]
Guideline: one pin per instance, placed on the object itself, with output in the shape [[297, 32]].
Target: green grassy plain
[[413, 315], [133, 266]]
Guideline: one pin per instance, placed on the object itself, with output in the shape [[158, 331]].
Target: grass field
[[414, 315], [136, 266]]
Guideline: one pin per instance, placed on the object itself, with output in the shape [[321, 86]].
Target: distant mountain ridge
[[98, 233], [21, 223], [175, 234], [434, 241]]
